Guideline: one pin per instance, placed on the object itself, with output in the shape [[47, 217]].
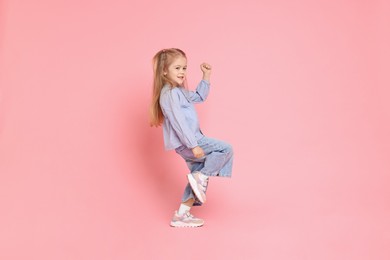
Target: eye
[[185, 68]]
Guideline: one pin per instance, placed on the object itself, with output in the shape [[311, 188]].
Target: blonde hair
[[161, 62]]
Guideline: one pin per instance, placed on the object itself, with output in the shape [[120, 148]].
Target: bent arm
[[201, 92]]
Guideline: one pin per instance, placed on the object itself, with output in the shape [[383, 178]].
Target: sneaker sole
[[182, 224], [194, 186]]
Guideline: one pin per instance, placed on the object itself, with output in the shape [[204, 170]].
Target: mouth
[[181, 77]]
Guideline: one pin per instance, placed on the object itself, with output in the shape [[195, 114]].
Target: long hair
[[161, 62]]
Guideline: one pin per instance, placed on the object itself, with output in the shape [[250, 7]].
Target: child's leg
[[185, 206], [183, 217], [190, 197], [189, 202], [219, 157], [188, 191], [217, 162]]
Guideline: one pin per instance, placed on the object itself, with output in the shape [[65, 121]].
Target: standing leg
[[182, 217]]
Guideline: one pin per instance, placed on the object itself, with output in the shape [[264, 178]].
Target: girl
[[173, 107]]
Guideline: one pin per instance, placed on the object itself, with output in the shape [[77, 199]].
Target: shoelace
[[189, 215], [204, 184]]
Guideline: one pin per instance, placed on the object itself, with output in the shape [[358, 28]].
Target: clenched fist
[[198, 152], [206, 69]]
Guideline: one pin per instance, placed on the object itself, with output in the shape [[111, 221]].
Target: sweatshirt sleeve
[[172, 111], [201, 92]]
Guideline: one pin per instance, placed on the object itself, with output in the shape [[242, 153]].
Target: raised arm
[[203, 88]]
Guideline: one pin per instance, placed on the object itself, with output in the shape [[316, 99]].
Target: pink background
[[300, 88]]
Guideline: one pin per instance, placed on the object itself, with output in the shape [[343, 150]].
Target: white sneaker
[[186, 220], [198, 185]]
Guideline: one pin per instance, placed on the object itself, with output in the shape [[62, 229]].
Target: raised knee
[[229, 149]]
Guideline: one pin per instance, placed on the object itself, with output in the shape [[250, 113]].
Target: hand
[[205, 67], [198, 152]]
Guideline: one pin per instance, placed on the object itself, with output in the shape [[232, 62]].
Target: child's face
[[177, 70]]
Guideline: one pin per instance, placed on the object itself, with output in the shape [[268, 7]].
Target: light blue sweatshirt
[[181, 124]]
